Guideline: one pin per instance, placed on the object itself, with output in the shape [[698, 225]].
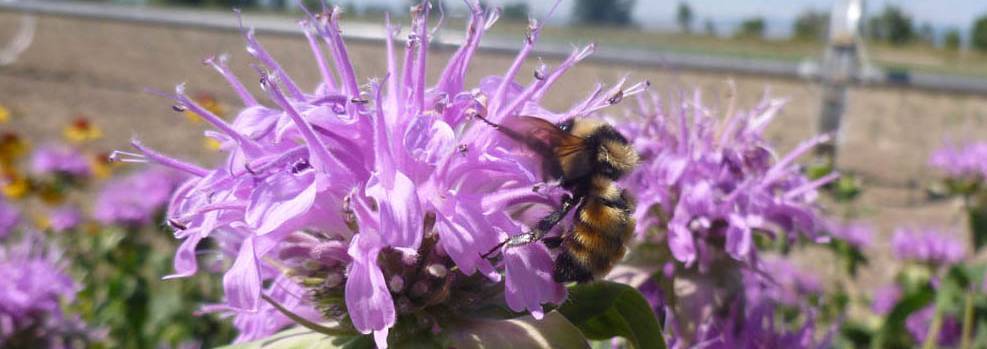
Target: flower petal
[[242, 283], [529, 283], [368, 300]]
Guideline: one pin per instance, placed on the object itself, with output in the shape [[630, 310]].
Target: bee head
[[614, 155]]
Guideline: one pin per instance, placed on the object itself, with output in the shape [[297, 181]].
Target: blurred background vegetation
[[895, 38]]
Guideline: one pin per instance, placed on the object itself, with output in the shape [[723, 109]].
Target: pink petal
[[529, 283], [400, 212], [280, 202], [242, 284], [185, 262], [738, 237], [368, 300]]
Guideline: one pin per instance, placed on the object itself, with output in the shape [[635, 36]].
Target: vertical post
[[840, 68]]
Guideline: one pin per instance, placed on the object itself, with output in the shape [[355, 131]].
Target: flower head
[[58, 159], [855, 233], [378, 200], [31, 296], [12, 148], [64, 218], [927, 246], [705, 188], [135, 199], [962, 161], [712, 184], [82, 130]]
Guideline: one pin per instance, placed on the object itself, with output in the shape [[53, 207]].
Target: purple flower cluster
[[384, 195], [761, 328], [31, 296], [791, 284], [855, 233], [705, 186], [927, 246], [130, 200], [751, 320], [60, 159], [703, 180], [966, 161], [64, 218]]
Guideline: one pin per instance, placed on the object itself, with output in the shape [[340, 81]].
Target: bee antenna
[[491, 124]]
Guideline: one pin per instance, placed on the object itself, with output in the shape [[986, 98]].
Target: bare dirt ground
[[100, 69]]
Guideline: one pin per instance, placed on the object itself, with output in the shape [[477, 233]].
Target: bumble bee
[[587, 157]]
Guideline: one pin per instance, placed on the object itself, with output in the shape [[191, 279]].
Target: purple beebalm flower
[[64, 218], [705, 186], [135, 198], [885, 298], [61, 159], [855, 233], [962, 161], [35, 286], [927, 246], [377, 199], [918, 324], [702, 179], [10, 216]]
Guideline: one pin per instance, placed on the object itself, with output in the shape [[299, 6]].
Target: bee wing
[[546, 139]]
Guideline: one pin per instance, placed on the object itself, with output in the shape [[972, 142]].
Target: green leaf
[[978, 226], [552, 331], [303, 338], [604, 310], [893, 330]]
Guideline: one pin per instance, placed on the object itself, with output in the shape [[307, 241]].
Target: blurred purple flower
[[927, 246], [792, 285], [759, 328], [64, 218], [705, 186], [885, 298], [135, 199], [962, 161], [53, 159], [702, 180], [857, 234], [918, 324], [10, 216], [31, 296], [751, 322], [384, 195]]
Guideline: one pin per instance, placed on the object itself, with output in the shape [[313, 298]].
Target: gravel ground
[[101, 69]]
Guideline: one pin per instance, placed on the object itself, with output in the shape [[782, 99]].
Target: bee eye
[[566, 126]]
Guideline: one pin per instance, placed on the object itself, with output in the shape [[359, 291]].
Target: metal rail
[[218, 20]]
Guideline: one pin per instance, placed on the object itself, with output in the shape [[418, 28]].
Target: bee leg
[[544, 226]]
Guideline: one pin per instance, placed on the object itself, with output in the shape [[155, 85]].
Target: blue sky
[[941, 13]]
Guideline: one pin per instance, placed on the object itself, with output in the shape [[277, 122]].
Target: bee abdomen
[[596, 241]]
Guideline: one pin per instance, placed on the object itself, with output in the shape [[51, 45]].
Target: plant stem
[[967, 321], [932, 336]]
